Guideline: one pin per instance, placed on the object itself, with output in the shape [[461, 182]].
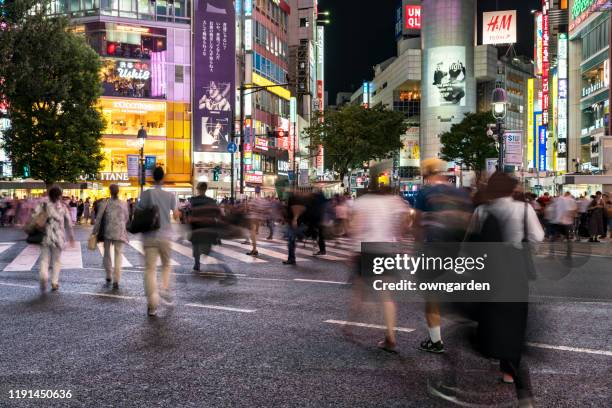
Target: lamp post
[[141, 138], [500, 108]]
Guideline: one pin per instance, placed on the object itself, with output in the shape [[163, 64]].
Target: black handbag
[[144, 220], [35, 237], [100, 235]]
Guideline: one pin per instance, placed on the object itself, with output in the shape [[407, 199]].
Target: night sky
[[362, 34]]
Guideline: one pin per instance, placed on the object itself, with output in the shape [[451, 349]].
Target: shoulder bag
[[144, 220]]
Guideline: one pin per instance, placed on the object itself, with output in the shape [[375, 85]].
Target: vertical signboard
[[537, 122], [530, 122], [542, 135], [320, 165], [562, 104], [538, 44], [545, 61], [513, 151], [214, 74]]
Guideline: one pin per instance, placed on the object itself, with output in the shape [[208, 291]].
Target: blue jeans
[[292, 235]]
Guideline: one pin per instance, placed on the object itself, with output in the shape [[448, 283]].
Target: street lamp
[[500, 108], [141, 138]]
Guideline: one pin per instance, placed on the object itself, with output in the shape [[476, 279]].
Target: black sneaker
[[115, 286], [108, 281], [432, 347], [289, 262], [320, 253], [252, 253]]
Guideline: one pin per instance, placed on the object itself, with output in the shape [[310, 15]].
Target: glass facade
[[176, 11]]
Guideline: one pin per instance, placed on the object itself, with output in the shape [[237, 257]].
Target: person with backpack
[[54, 217], [156, 243]]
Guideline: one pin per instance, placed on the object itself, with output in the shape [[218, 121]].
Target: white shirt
[[378, 218], [510, 214], [564, 208]]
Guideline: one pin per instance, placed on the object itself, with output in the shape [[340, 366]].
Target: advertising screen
[[446, 76], [214, 80]]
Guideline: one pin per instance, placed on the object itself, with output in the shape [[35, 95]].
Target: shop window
[[124, 117]]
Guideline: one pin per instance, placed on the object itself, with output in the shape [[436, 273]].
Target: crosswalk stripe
[[237, 255], [188, 252], [5, 245], [25, 260], [308, 252], [264, 251], [71, 257], [124, 262], [368, 325], [138, 246], [339, 251]]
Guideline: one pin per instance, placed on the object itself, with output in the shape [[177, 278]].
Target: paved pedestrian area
[[279, 336]]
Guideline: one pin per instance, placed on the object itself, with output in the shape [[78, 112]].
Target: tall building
[[589, 96], [267, 111], [146, 74]]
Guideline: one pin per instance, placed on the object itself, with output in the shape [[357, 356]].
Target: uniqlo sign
[[499, 27], [413, 17]]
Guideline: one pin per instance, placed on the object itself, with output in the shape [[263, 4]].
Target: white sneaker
[[166, 297]]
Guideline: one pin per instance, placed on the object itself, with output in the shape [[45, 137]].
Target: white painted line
[[575, 349], [108, 295], [5, 245], [229, 309], [237, 255], [266, 279], [370, 326], [71, 257], [265, 251], [124, 261], [138, 246], [17, 285], [25, 260], [340, 251], [321, 281], [188, 252], [308, 252]]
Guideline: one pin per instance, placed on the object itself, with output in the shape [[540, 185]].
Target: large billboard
[[214, 74], [446, 76], [499, 27]]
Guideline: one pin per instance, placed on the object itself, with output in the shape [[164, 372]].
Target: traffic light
[[216, 172], [26, 171]]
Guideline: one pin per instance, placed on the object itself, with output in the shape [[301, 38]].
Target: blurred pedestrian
[[443, 214], [257, 214], [295, 209], [156, 243], [314, 216], [595, 210], [58, 224], [378, 216], [80, 210], [204, 216], [114, 215], [86, 210], [72, 205]]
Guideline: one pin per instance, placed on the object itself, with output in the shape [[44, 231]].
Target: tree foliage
[[353, 135], [50, 80], [467, 142]]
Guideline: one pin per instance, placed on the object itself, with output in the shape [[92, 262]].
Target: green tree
[[50, 80], [467, 142], [353, 135]]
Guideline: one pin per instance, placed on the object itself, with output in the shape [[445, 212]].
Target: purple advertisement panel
[[214, 80]]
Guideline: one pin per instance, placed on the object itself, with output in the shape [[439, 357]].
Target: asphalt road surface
[[275, 337]]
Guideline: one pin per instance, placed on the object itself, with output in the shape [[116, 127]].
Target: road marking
[[25, 260], [321, 281], [124, 260], [308, 252], [229, 309], [71, 257], [17, 285], [188, 252], [237, 255], [138, 246], [340, 251], [265, 251], [575, 349], [371, 326], [106, 295], [5, 245]]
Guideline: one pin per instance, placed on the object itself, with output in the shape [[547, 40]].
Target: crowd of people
[[441, 213]]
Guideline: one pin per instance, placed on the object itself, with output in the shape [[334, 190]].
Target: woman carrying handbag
[[110, 228]]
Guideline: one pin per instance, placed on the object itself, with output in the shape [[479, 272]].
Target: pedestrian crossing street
[[20, 256]]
